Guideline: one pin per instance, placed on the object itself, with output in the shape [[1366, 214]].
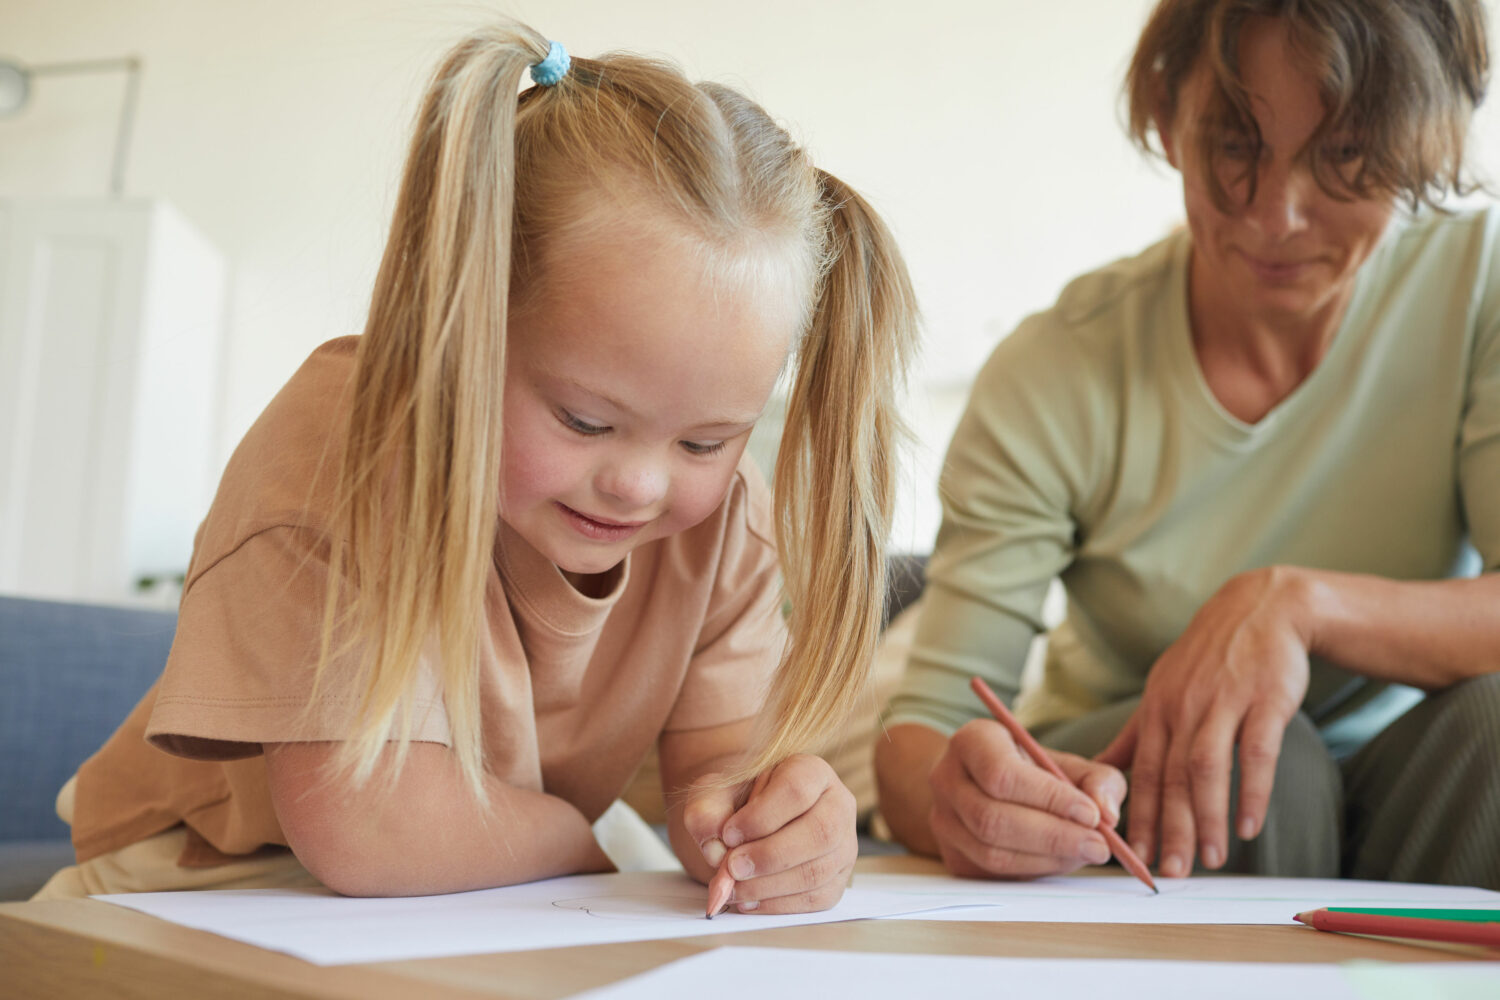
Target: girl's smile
[[597, 528]]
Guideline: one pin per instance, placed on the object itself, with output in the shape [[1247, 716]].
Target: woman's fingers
[[997, 812], [1210, 761], [1260, 747], [1145, 785]]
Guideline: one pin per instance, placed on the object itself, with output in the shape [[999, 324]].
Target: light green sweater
[[1092, 450]]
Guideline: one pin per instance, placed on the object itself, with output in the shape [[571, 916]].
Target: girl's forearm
[[424, 832], [1426, 633]]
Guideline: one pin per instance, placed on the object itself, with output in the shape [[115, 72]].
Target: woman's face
[[1293, 251], [633, 381]]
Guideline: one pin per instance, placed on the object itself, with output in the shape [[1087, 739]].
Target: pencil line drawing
[[652, 906]]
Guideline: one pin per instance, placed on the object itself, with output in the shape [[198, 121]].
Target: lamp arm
[[132, 67]]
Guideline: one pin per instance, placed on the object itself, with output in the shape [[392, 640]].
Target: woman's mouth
[[1275, 270]]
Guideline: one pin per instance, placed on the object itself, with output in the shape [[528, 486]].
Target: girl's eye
[[581, 426], [700, 448]]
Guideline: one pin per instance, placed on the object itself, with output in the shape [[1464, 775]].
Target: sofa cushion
[[70, 674]]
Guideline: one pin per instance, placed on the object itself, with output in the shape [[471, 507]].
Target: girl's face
[[632, 385]]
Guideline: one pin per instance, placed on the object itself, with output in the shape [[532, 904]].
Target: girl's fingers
[[791, 862], [805, 863], [704, 814], [780, 796], [826, 827]]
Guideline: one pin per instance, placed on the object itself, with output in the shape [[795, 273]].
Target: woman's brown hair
[[494, 184], [1399, 78]]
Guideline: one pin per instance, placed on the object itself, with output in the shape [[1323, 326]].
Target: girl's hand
[[1235, 676], [790, 846]]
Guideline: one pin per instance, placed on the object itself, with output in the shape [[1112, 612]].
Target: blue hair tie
[[553, 68]]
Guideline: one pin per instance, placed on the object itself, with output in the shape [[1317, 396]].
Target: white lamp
[[15, 91]]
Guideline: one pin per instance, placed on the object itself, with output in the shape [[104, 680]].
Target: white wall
[[987, 131]]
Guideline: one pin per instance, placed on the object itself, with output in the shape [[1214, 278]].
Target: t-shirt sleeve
[[1009, 488], [1479, 434], [743, 634], [242, 664]]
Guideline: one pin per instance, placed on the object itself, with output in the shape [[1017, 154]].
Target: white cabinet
[[111, 314]]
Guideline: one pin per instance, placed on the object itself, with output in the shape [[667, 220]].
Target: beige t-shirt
[[574, 689]]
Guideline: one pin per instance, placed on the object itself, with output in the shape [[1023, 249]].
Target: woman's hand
[[1237, 675], [997, 813], [790, 846]]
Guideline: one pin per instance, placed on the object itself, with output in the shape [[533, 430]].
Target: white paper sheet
[[1201, 899], [758, 973], [328, 929]]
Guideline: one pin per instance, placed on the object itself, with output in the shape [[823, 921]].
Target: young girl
[[468, 567]]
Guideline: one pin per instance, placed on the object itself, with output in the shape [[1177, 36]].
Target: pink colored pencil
[[720, 888]]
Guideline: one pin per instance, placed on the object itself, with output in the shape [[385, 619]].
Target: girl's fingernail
[[741, 867], [749, 904], [714, 851], [733, 837]]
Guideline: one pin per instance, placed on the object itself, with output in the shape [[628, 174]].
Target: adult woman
[[1255, 455]]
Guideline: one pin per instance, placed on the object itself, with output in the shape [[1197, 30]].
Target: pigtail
[[417, 491], [836, 475]]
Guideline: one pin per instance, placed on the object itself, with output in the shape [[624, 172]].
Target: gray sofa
[[69, 674]]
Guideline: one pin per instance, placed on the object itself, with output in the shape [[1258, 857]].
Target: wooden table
[[84, 948]]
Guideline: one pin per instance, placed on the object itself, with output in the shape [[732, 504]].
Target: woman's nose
[[1282, 199]]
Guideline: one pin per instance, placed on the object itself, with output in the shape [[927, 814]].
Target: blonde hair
[[1402, 76], [492, 182]]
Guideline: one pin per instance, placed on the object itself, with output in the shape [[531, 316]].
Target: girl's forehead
[[646, 291], [610, 260]]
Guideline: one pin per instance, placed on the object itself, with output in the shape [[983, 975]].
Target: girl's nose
[[633, 482]]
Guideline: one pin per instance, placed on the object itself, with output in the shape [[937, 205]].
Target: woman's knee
[[1468, 714]]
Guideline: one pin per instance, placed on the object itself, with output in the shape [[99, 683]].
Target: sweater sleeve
[[1016, 473], [1479, 433]]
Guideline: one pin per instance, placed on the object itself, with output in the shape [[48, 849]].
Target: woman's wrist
[[1305, 599]]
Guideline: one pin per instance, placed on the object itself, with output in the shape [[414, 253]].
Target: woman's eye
[[1342, 153], [1236, 148], [581, 426], [702, 448]]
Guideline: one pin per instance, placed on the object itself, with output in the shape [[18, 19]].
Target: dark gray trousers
[[1419, 803]]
